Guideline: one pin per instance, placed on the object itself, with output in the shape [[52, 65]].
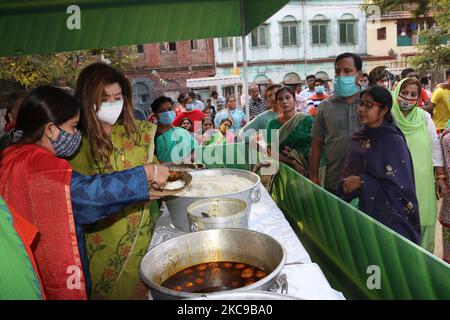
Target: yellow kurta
[[116, 245]]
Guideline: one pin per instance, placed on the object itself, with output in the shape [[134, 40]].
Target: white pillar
[[244, 59]]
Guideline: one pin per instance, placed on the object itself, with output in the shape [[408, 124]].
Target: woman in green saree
[[223, 135], [293, 132], [113, 140], [426, 153]]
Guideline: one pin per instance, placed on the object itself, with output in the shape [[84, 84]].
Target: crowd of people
[[77, 168]]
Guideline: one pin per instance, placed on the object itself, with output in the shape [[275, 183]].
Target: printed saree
[[116, 245], [37, 184], [416, 134], [380, 157], [295, 134]]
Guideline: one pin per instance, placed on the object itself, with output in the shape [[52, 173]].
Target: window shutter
[[342, 33], [323, 34], [255, 38], [351, 33], [263, 36], [285, 35], [293, 35], [315, 34]]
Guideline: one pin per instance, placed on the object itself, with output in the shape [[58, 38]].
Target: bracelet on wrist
[[440, 176], [155, 172]]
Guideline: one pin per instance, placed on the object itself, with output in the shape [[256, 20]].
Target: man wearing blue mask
[[320, 94], [336, 120]]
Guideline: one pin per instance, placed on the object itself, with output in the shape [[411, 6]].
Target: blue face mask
[[345, 86], [166, 117], [190, 107], [320, 89], [66, 144]]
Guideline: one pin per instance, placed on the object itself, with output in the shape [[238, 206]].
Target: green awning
[[40, 26]]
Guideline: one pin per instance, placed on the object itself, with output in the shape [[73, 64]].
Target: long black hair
[[43, 105], [381, 96]]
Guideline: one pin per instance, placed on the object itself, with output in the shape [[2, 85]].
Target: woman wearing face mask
[[223, 135], [293, 130], [58, 201], [189, 112], [173, 144], [113, 140], [378, 169], [379, 77], [426, 152], [12, 108], [237, 117]]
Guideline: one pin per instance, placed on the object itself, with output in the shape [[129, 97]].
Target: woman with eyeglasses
[[420, 133], [378, 169]]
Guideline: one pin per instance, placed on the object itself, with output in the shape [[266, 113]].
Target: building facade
[[393, 39], [163, 69], [303, 38]]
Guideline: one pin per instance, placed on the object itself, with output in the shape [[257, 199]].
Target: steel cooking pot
[[218, 213], [177, 205], [238, 245]]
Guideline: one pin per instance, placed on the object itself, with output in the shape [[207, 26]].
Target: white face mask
[[110, 111]]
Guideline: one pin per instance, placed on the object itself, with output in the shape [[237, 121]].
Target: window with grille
[[140, 48], [320, 33], [381, 34], [289, 33], [227, 43], [198, 44], [168, 46], [260, 36], [347, 32]]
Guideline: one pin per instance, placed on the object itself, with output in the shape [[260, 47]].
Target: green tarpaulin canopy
[[43, 26]]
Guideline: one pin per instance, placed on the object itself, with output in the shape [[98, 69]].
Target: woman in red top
[[196, 116]]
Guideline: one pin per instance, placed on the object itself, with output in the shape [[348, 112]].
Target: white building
[[302, 38]]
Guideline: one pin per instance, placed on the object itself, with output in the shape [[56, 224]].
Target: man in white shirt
[[311, 90]]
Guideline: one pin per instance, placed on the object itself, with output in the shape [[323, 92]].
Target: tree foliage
[[434, 49], [33, 70]]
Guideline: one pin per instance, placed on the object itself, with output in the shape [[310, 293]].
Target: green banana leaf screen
[[359, 256], [44, 26]]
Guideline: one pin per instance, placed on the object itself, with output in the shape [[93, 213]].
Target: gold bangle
[[440, 176]]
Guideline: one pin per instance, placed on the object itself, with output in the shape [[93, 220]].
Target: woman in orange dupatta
[[40, 185]]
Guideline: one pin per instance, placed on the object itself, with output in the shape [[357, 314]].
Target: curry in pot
[[214, 277]]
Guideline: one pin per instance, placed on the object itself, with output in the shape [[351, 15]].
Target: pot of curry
[[218, 260]]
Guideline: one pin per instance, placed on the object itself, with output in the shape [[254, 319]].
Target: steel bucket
[[177, 205], [231, 213]]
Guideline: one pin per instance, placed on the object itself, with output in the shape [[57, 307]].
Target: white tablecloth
[[305, 279]]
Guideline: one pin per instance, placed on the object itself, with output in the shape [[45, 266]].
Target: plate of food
[[176, 183], [186, 167]]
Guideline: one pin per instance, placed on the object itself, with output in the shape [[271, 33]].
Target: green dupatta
[[116, 245], [416, 133]]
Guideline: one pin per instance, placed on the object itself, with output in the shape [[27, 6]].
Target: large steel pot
[[177, 205], [238, 245], [226, 213], [248, 295]]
